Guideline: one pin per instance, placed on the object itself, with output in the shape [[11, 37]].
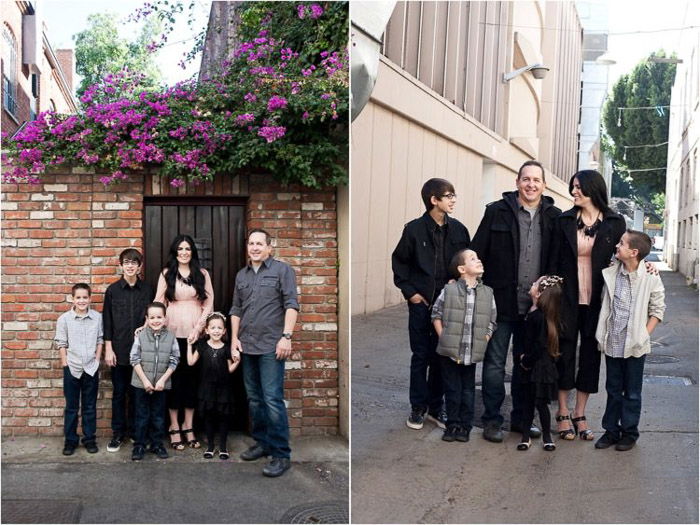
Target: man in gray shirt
[[513, 243], [263, 316]]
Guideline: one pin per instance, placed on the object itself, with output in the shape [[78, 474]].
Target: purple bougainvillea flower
[[272, 133], [276, 102]]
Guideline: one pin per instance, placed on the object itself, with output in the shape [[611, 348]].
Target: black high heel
[[585, 435]]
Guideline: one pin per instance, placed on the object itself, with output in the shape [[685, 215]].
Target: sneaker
[[91, 447], [253, 453], [115, 444], [69, 449], [493, 432], [606, 440], [450, 434], [276, 467], [160, 452], [138, 453], [534, 431], [462, 435], [223, 454], [439, 418], [209, 453], [625, 443], [416, 419]]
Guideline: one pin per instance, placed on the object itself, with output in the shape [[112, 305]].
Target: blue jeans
[[263, 376], [459, 392], [122, 400], [493, 389], [425, 390], [624, 378], [80, 394], [150, 412]]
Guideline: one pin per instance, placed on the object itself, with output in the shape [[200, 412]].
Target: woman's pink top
[[186, 311], [585, 271]]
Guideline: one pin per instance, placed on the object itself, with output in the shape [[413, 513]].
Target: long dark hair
[[549, 302], [196, 275], [592, 185]]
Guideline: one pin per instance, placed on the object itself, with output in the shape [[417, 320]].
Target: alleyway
[[403, 475]]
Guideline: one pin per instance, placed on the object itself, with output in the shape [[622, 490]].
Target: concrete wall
[[409, 133]]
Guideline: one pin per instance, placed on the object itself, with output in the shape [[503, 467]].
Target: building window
[[9, 74]]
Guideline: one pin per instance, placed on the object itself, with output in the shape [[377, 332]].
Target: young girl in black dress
[[538, 360], [215, 389]]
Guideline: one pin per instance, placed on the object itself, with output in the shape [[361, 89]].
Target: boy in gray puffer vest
[[464, 316], [154, 356]]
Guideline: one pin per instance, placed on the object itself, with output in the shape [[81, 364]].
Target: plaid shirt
[[621, 310]]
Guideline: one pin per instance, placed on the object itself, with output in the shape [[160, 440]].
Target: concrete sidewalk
[[407, 476], [40, 485]]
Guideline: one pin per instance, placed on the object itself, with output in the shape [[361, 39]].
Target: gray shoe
[[253, 453], [276, 467], [439, 418], [534, 431], [493, 432]]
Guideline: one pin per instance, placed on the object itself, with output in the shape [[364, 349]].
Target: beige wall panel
[[361, 151], [415, 175], [378, 209], [440, 169], [396, 200]]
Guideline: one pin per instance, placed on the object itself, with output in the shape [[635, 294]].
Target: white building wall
[[682, 179]]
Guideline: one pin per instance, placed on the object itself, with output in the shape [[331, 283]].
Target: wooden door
[[218, 230]]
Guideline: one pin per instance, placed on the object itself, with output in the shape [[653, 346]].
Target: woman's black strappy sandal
[[585, 435], [569, 433]]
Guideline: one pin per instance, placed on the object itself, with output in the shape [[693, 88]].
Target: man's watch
[[287, 335]]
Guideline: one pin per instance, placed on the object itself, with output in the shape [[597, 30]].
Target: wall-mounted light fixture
[[539, 71]]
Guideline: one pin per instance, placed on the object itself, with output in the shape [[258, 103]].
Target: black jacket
[[563, 261], [497, 242], [414, 258], [123, 311]]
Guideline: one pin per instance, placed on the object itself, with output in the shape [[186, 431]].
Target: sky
[[64, 18], [627, 16]]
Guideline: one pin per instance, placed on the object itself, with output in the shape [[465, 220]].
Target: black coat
[[414, 257], [563, 261], [497, 242]]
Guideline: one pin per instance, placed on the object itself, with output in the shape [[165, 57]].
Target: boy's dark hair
[[131, 254], [435, 188], [639, 241], [592, 185], [156, 304], [268, 238], [532, 163], [457, 260], [80, 286]]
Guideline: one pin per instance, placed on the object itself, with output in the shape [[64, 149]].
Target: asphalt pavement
[[39, 485], [401, 475]]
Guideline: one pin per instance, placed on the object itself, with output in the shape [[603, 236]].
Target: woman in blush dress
[[185, 287], [583, 243]]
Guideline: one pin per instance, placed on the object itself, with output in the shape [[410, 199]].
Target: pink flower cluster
[[313, 11], [272, 133]]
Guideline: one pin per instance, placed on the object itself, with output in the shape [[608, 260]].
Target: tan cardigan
[[647, 301]]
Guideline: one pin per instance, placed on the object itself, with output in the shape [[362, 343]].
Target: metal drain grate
[[323, 512], [668, 380], [661, 359], [40, 511]]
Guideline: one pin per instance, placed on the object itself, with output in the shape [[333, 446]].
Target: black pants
[[586, 378], [216, 421], [529, 403], [458, 381], [425, 389]]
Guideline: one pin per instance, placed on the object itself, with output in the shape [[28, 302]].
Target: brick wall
[[70, 228]]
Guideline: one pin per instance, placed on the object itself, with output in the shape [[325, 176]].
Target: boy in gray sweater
[[154, 356]]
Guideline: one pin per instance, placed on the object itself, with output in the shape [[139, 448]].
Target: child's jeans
[[80, 393], [458, 382], [624, 387], [150, 412]]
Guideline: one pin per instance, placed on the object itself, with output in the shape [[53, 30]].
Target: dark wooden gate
[[218, 228]]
